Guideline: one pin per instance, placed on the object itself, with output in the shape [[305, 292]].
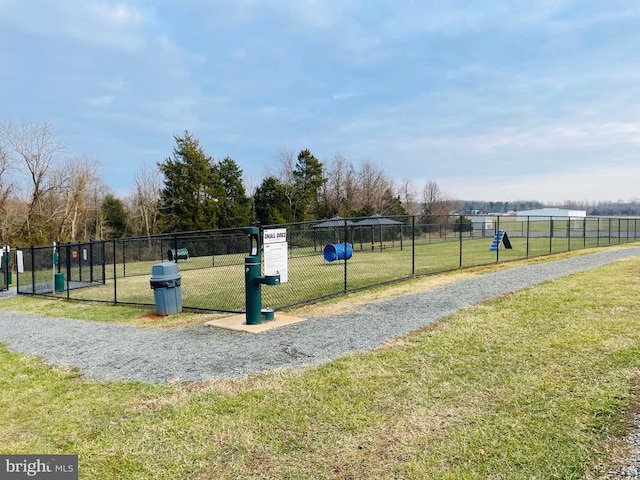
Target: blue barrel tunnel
[[336, 251]]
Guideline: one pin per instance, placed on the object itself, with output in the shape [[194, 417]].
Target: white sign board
[[20, 261], [277, 235], [276, 260]]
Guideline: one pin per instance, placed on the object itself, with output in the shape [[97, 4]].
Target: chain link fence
[[368, 252]]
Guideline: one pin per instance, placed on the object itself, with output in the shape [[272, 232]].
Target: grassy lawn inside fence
[[531, 385], [217, 282]]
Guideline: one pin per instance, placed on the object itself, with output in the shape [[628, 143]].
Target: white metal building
[[481, 222], [546, 213]]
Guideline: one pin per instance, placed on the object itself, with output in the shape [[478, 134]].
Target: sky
[[499, 100]]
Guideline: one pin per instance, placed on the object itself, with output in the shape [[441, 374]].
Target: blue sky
[[494, 100]]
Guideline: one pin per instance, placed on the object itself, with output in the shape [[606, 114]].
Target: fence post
[[619, 232], [550, 235], [497, 229], [584, 232], [627, 230], [528, 232], [33, 271], [91, 260], [413, 245], [115, 272], [68, 257], [569, 234], [460, 233], [175, 246], [104, 261], [345, 256], [79, 261]]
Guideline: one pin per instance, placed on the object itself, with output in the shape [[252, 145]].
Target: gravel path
[[110, 352]]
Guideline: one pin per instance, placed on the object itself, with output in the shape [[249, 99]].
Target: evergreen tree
[[192, 188], [270, 203], [391, 204], [114, 216], [307, 178], [235, 207]]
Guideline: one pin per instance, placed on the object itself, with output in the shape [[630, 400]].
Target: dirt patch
[[183, 319]]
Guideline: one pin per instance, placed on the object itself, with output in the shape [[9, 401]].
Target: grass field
[[217, 283], [531, 385]]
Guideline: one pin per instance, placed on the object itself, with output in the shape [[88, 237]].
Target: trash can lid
[[165, 269]]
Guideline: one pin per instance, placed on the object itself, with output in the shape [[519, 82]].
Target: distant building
[[481, 223], [546, 213]]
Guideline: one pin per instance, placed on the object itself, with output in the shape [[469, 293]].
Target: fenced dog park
[[367, 252]]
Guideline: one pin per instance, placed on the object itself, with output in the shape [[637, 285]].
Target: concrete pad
[[239, 322]]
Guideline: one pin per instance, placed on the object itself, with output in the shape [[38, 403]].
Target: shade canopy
[[375, 220], [334, 222]]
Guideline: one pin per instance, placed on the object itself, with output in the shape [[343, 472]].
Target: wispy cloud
[[343, 96], [101, 101], [90, 21], [430, 89]]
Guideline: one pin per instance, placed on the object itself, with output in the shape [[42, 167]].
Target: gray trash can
[[165, 282]]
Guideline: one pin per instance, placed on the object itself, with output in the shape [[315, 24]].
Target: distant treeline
[[592, 208]]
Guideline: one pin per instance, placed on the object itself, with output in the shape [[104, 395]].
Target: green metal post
[[253, 290], [253, 281]]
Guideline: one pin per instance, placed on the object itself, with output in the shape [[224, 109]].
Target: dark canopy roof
[[333, 222], [377, 219]]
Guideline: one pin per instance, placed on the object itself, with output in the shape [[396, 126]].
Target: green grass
[[221, 287], [531, 385]]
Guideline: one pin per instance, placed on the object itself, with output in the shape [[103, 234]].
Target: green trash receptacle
[[58, 282], [165, 282], [9, 277]]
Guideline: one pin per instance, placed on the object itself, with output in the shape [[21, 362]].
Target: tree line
[[599, 208], [48, 194]]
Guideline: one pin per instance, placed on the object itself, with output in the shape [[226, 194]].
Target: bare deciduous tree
[[144, 204], [373, 184], [434, 200], [410, 199], [37, 147], [75, 181], [332, 194], [6, 189]]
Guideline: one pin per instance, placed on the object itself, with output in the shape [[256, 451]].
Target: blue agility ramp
[[500, 238]]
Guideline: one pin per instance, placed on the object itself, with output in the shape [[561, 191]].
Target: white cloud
[[238, 53], [102, 101], [112, 85], [119, 13], [311, 13], [343, 96], [89, 21]]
